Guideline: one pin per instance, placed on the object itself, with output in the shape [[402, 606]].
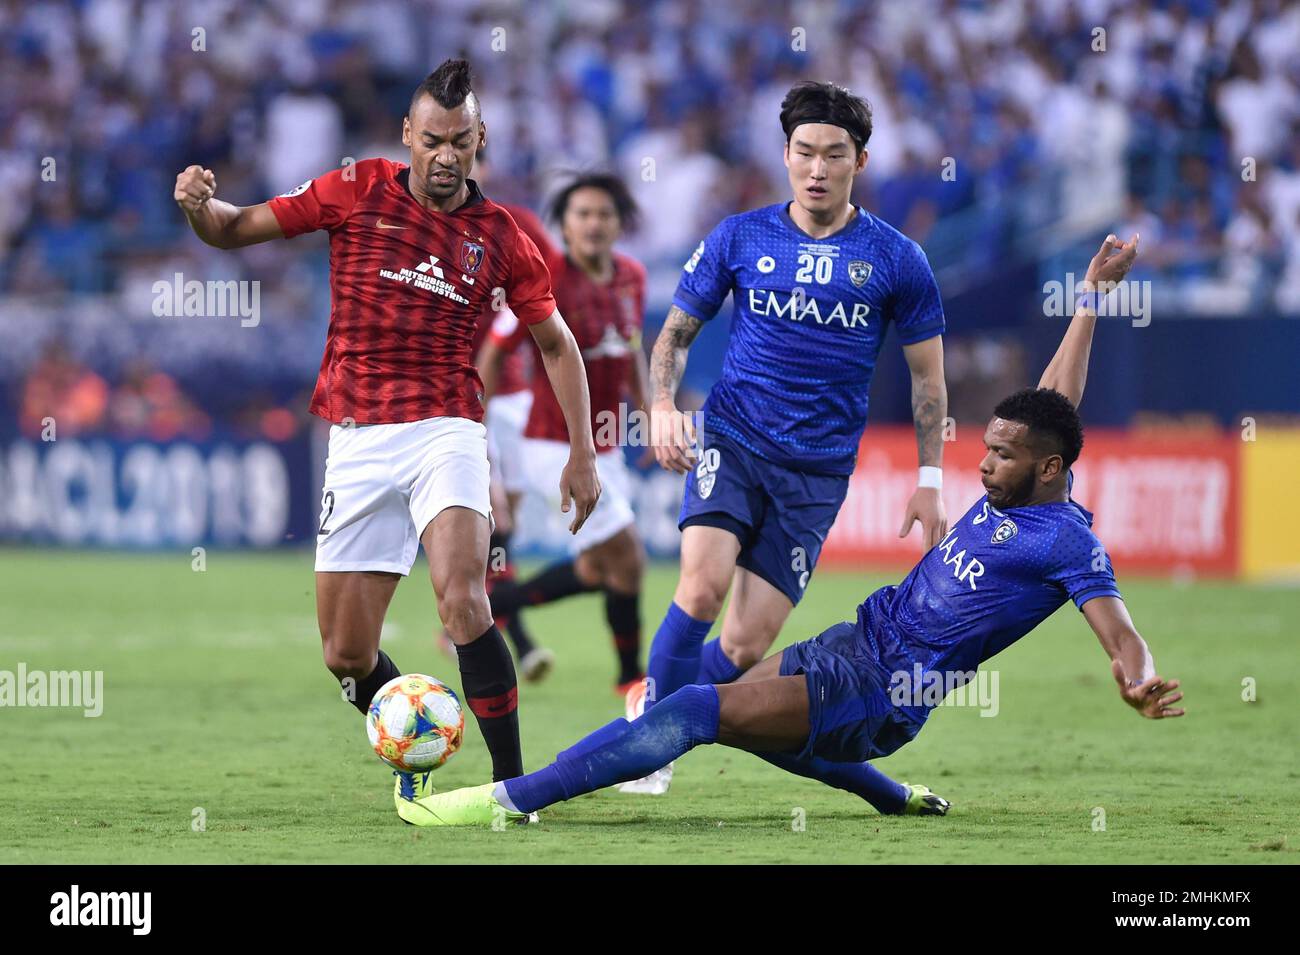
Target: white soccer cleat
[[657, 783], [536, 664]]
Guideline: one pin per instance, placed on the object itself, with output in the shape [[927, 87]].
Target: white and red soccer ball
[[415, 723]]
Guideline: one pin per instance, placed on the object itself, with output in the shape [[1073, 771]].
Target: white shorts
[[507, 415], [384, 483], [546, 460]]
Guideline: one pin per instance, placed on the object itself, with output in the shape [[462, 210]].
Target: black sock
[[488, 676], [623, 612], [554, 583], [365, 690]]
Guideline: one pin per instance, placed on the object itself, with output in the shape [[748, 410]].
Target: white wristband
[[930, 477]]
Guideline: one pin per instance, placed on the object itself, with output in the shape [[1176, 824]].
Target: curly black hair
[[449, 85], [812, 102], [624, 204], [1053, 422]]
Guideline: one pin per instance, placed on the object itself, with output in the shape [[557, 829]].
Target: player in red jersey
[[602, 297], [416, 255]]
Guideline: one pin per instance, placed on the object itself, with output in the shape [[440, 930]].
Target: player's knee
[[700, 597], [745, 656], [590, 569], [747, 639], [346, 661], [464, 611]]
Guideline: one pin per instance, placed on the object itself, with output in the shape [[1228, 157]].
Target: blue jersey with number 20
[[810, 317]]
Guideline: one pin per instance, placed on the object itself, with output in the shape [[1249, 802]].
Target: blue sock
[[620, 750], [674, 654], [862, 779], [715, 665]]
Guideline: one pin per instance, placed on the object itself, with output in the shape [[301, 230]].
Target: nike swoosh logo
[[381, 224]]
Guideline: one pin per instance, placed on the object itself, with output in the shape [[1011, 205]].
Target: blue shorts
[[779, 515], [849, 710]]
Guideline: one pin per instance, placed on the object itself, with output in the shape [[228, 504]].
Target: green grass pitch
[[217, 709]]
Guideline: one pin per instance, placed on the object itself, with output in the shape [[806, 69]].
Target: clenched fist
[[194, 187]]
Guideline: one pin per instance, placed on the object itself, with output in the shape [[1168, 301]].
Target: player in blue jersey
[[816, 282], [822, 707]]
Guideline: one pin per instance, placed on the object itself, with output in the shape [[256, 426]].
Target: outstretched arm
[[568, 377], [219, 223], [672, 432], [1067, 372], [1130, 660]]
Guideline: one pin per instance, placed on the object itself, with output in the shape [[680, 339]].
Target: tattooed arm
[[929, 412], [672, 432], [929, 399]]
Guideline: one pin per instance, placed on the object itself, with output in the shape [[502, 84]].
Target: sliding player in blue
[[821, 707]]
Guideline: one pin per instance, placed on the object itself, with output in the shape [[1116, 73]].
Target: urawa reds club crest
[[471, 256]]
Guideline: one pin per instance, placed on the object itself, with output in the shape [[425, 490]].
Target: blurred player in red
[[416, 255], [602, 297]]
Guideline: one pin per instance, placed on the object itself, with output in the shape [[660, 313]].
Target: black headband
[[832, 122]]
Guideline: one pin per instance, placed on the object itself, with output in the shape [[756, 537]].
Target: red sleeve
[[326, 201], [529, 290], [507, 331]]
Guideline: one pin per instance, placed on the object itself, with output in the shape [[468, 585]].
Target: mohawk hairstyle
[[1053, 422], [449, 85]]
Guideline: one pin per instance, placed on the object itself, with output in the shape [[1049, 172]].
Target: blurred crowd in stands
[[1003, 130]]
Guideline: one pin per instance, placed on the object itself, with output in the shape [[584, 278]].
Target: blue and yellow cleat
[[475, 806], [922, 802], [409, 786]]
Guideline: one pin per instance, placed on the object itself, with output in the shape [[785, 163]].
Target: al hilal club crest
[[471, 256], [1006, 530], [705, 484], [859, 272]]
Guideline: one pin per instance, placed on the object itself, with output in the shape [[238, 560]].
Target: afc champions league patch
[[859, 272], [1005, 531], [471, 256], [296, 190]]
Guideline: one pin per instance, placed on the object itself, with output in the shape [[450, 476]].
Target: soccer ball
[[415, 723]]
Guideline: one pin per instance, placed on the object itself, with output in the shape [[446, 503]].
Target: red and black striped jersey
[[606, 320], [409, 287]]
